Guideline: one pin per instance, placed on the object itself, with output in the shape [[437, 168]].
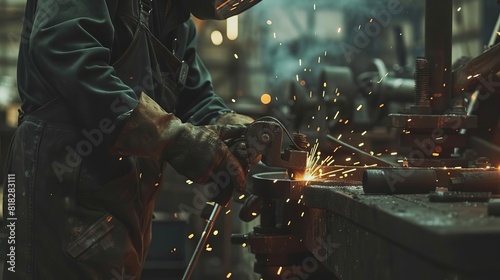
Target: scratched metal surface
[[403, 236]]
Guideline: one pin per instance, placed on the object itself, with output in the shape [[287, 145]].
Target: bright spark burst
[[314, 167]]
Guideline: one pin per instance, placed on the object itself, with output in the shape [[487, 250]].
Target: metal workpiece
[[277, 242], [399, 181], [266, 138], [478, 71], [480, 181]]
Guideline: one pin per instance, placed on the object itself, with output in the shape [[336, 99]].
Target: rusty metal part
[[482, 181], [277, 248], [421, 77], [399, 181], [266, 138]]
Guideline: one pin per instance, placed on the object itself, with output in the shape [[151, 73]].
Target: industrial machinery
[[432, 214]]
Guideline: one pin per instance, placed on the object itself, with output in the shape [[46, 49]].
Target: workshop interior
[[375, 145]]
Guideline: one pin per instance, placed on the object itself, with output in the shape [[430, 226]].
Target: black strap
[[162, 52]]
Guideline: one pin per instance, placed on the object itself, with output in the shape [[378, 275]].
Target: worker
[[110, 90]]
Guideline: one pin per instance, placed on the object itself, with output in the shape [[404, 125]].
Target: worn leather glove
[[233, 118], [196, 152]]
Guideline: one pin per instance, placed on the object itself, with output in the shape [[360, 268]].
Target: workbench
[[401, 236]]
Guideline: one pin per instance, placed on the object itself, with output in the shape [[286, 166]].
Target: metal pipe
[[482, 181], [477, 71], [438, 32], [364, 156], [201, 243], [399, 181]]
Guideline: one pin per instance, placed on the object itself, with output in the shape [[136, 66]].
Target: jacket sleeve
[[70, 48], [198, 103]]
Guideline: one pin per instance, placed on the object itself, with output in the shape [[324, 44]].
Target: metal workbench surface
[[402, 236]]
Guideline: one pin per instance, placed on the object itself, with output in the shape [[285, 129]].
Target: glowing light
[[269, 22], [236, 56], [208, 248], [381, 105], [348, 171], [266, 98], [459, 9], [216, 37], [359, 107], [228, 275], [361, 144], [233, 100], [191, 236], [232, 28], [228, 211], [216, 232], [279, 269], [189, 182], [363, 133]]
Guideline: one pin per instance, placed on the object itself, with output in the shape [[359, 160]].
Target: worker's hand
[[233, 118], [198, 153]]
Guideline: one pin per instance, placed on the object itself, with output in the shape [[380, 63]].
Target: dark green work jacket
[[71, 211]]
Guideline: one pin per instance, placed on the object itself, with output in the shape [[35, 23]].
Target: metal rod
[[362, 153], [438, 32], [201, 243]]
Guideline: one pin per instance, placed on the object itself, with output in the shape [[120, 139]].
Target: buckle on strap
[[182, 73], [146, 6]]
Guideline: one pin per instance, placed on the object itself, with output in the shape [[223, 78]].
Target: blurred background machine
[[399, 102]]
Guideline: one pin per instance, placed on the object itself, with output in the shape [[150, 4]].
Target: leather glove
[[196, 152], [233, 118]]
